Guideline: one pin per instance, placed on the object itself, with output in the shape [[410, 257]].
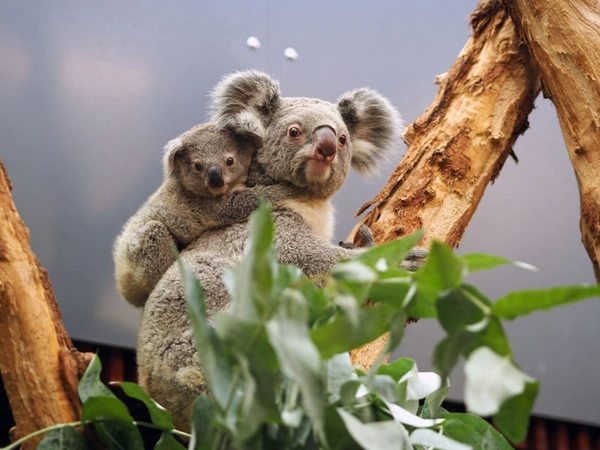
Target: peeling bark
[[463, 139], [459, 144], [40, 367], [564, 39]]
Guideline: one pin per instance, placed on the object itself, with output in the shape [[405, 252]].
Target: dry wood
[[460, 143], [40, 367], [563, 37]]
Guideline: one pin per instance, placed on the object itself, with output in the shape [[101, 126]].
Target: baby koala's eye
[[198, 166], [229, 161], [342, 139], [294, 132]]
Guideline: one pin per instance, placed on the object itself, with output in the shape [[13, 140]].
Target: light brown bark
[[459, 144], [40, 367], [563, 37]]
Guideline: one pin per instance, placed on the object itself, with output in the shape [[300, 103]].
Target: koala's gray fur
[[205, 169], [314, 158]]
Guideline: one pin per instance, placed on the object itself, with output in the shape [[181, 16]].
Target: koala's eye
[[294, 132], [229, 161], [198, 166], [342, 139]]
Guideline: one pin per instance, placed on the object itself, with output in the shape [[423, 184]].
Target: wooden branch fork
[[463, 139]]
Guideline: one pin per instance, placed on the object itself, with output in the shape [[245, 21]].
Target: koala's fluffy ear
[[244, 102], [374, 126], [173, 147]]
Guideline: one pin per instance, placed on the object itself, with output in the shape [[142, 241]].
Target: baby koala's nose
[[215, 177]]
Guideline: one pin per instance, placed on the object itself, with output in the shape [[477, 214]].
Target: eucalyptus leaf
[[384, 387], [298, 356], [90, 384], [63, 438], [442, 270], [342, 333], [521, 303], [513, 418], [215, 368], [422, 385], [430, 438], [457, 310], [113, 423], [475, 262], [474, 431], [339, 370], [391, 287], [252, 282], [490, 380], [448, 351], [393, 252], [247, 336], [354, 271], [408, 418], [435, 399], [338, 436], [168, 442], [349, 392], [159, 415], [251, 413], [203, 429], [397, 368], [376, 435], [105, 408]]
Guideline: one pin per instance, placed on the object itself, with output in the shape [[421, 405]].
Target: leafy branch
[[277, 368]]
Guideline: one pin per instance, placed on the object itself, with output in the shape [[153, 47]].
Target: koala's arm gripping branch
[[460, 143], [40, 367]]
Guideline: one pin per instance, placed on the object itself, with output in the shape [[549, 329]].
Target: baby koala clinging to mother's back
[[205, 174]]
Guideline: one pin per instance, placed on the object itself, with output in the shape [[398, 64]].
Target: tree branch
[[460, 143], [40, 367], [564, 38]]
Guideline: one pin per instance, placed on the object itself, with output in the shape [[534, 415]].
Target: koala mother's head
[[308, 142]]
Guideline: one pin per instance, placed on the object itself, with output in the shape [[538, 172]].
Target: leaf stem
[[42, 431]]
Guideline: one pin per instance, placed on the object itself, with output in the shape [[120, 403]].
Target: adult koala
[[308, 143]]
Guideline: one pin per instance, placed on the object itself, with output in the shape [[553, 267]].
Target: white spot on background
[[253, 43], [291, 54]]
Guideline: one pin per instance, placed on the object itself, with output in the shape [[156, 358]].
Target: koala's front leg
[[240, 204], [141, 260]]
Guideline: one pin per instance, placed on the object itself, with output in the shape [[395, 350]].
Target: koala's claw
[[366, 237], [415, 259], [417, 253]]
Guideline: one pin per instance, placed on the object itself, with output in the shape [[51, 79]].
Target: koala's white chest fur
[[318, 214]]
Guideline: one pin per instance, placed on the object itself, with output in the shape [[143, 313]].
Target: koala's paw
[[366, 237], [415, 259]]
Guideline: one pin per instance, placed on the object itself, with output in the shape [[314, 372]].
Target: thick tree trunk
[[40, 367], [563, 37], [460, 143]]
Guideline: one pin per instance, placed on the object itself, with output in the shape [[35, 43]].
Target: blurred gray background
[[91, 91]]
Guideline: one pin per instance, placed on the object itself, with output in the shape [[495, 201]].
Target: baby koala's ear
[[173, 148], [245, 102], [374, 126]]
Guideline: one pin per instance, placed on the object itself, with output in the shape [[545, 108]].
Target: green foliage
[[279, 375]]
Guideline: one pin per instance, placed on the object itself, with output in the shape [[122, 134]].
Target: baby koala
[[205, 174]]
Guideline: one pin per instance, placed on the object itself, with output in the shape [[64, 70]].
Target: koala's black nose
[[215, 177], [325, 144]]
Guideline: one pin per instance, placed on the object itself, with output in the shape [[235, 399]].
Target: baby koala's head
[[210, 161]]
